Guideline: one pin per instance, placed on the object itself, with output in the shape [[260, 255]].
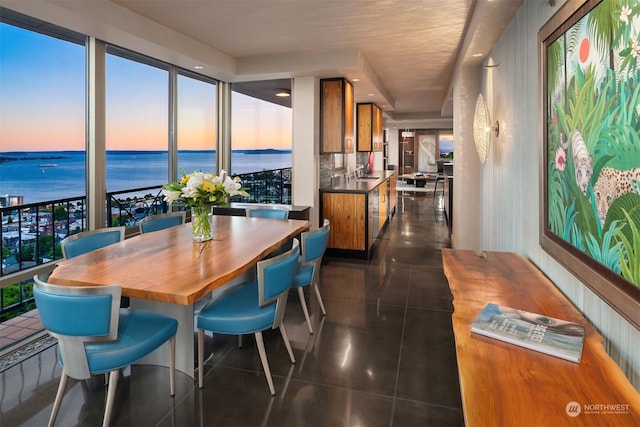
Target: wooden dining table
[[165, 271]]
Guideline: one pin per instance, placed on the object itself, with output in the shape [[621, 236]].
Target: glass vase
[[201, 223]]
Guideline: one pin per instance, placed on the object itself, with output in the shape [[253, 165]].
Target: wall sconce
[[482, 129], [283, 93]]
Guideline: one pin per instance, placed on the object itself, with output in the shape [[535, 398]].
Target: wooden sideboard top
[[506, 385]]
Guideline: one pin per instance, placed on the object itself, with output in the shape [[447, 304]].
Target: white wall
[[466, 166], [509, 182]]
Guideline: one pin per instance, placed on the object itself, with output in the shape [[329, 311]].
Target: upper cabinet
[[370, 132], [336, 116]]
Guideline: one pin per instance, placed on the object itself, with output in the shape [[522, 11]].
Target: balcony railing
[[128, 207], [268, 186], [31, 234]]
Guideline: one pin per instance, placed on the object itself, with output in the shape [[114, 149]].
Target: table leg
[[184, 314]]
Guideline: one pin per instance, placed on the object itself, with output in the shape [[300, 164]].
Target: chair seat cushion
[[139, 333], [237, 312]]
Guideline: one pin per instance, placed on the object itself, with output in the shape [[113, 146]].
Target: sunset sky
[[42, 103]]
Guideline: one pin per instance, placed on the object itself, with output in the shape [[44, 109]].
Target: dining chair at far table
[[252, 307], [161, 221], [96, 336], [314, 244], [87, 241], [274, 213]]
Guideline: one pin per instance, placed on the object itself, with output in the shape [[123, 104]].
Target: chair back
[[275, 276], [75, 315], [314, 243], [87, 241], [161, 221], [268, 213]]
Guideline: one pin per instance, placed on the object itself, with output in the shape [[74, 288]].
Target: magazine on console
[[559, 338]]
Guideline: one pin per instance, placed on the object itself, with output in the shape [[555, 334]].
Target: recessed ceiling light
[[477, 55], [198, 67], [356, 79], [370, 94], [283, 93]]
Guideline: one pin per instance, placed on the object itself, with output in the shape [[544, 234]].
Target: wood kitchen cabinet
[[346, 213], [359, 213], [383, 204], [336, 116], [370, 132]]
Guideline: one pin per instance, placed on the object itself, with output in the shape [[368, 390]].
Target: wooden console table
[[505, 385]]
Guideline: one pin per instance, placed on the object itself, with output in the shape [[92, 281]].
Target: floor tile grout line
[[404, 323]]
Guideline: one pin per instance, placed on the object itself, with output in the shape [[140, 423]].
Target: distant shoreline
[[28, 173], [4, 159], [13, 156]]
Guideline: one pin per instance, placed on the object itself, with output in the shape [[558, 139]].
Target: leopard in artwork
[[613, 183]]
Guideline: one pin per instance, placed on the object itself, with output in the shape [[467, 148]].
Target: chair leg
[[172, 365], [317, 291], [265, 362], [200, 357], [64, 378], [303, 303], [111, 394], [287, 344]]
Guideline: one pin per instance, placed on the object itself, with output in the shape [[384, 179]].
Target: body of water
[[49, 175]]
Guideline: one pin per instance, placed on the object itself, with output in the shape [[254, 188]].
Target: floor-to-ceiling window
[[261, 126], [196, 125], [261, 138], [42, 114], [42, 150], [137, 123], [137, 135]]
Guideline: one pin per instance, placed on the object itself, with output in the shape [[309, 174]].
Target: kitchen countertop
[[359, 185]]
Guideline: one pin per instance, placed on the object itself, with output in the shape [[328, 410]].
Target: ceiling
[[400, 54], [407, 50]]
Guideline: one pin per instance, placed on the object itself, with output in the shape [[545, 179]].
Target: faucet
[[348, 174]]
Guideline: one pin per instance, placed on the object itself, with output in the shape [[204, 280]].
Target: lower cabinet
[[383, 203], [357, 218], [347, 213]]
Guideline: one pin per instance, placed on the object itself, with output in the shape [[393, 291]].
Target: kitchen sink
[[368, 178]]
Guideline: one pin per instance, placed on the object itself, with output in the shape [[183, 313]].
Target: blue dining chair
[[314, 244], [87, 241], [161, 221], [96, 336], [252, 307], [268, 213]]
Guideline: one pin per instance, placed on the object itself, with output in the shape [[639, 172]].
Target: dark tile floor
[[383, 356]]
